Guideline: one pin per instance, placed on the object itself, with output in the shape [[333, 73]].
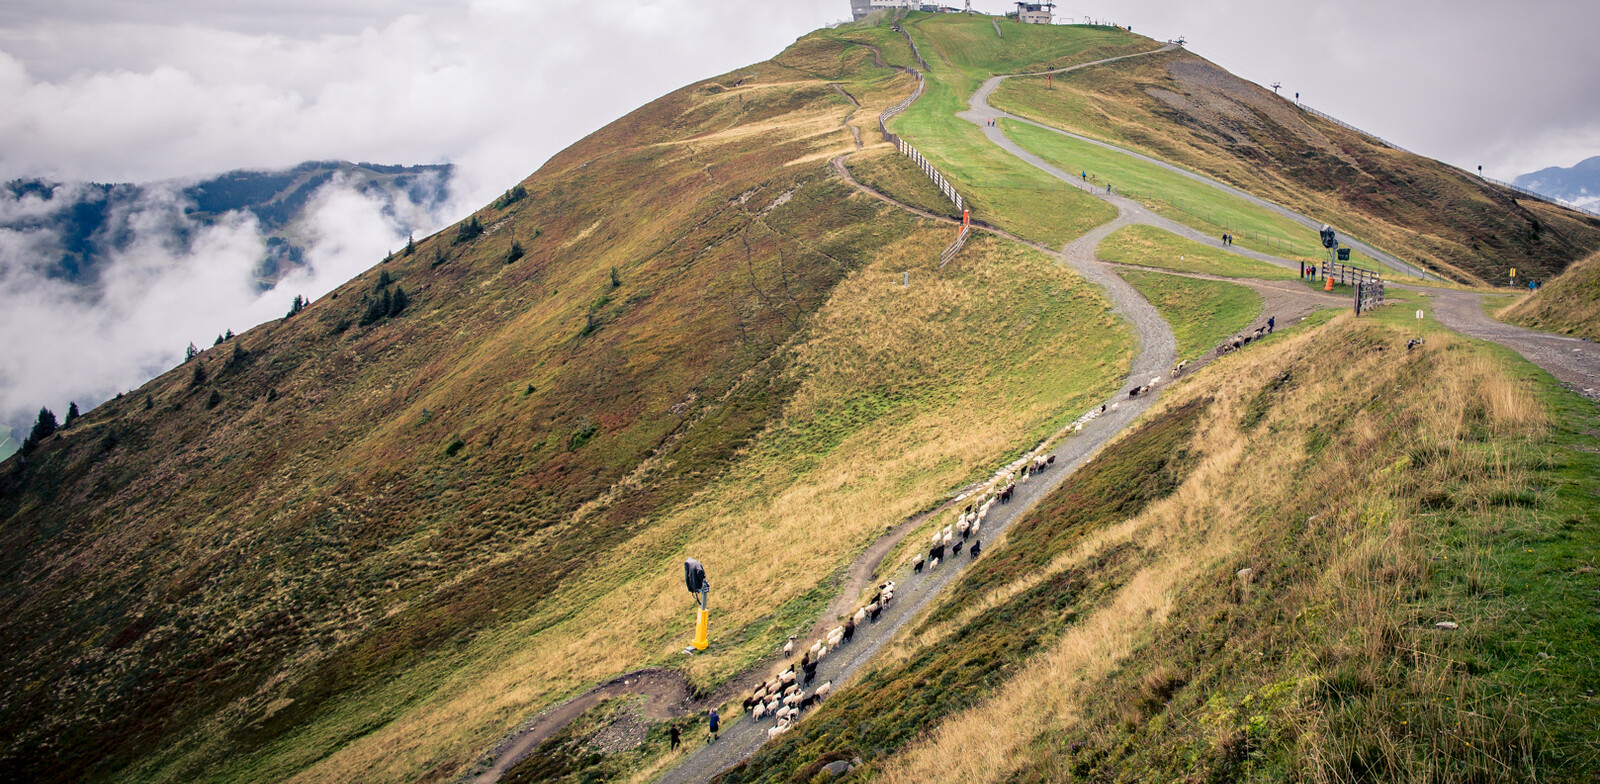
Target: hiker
[[674, 735], [1272, 321], [715, 721], [1086, 176]]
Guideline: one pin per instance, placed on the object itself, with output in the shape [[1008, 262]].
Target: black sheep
[[976, 546], [849, 629], [955, 549]]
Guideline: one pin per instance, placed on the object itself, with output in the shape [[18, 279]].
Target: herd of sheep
[[784, 699]]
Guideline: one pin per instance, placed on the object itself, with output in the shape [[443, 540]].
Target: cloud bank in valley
[[173, 280]]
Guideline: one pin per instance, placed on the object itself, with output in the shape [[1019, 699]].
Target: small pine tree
[[218, 341], [615, 281], [272, 394], [411, 244], [378, 308], [43, 428], [149, 402], [298, 305], [211, 402], [199, 376], [438, 257], [384, 279], [190, 353], [227, 335], [515, 252], [72, 414], [399, 302], [238, 357], [469, 230]]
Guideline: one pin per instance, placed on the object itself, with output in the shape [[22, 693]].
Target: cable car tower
[[694, 577]]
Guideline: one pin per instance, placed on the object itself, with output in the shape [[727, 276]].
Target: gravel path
[[1574, 361], [981, 111]]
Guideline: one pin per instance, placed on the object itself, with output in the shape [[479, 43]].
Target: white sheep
[[861, 614], [963, 526], [1155, 381], [888, 596], [934, 564], [792, 700], [821, 653], [788, 647], [976, 527], [937, 535], [822, 691], [788, 676], [759, 711], [773, 732]]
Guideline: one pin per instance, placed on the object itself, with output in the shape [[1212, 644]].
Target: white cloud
[[71, 342]]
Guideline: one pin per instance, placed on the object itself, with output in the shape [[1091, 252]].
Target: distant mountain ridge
[[1579, 184], [92, 220]]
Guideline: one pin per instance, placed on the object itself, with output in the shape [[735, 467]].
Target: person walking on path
[[714, 721], [675, 737], [1272, 321]]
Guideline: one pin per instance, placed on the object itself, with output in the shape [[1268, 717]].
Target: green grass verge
[[1170, 194], [1201, 312], [1148, 246]]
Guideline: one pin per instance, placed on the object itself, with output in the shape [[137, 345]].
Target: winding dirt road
[[1572, 360]]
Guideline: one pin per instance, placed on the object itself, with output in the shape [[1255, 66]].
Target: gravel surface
[[1574, 361]]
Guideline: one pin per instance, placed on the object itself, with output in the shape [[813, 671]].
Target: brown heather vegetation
[[390, 543], [1183, 109], [1370, 492], [1569, 304]]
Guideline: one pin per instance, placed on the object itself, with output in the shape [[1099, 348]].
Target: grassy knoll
[[1000, 189], [1185, 110], [1148, 246], [1201, 312], [1267, 603], [888, 172], [1569, 304], [1172, 195]]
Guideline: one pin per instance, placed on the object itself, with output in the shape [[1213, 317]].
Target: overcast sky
[[116, 90]]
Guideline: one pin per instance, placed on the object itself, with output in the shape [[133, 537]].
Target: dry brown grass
[[1450, 398]]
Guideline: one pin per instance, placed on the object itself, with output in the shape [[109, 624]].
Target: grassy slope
[[1172, 195], [1000, 189], [1148, 246], [1371, 492], [1201, 312], [326, 586], [1182, 109], [1569, 304]]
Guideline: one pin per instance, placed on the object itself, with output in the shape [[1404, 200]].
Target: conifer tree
[[399, 302], [199, 376], [43, 428], [72, 414], [515, 252], [218, 341], [411, 244], [190, 353]]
